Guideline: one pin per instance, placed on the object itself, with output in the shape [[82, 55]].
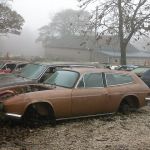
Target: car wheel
[[124, 108], [32, 117]]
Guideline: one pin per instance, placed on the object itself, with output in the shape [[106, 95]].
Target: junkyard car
[[126, 67], [146, 77], [34, 73], [76, 92], [140, 70], [11, 66]]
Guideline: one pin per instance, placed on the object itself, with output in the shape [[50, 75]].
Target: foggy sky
[[36, 14]]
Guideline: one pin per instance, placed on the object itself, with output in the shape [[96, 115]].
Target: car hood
[[38, 92], [53, 93], [10, 81]]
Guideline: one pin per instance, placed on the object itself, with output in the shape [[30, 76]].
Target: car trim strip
[[88, 116], [13, 115]]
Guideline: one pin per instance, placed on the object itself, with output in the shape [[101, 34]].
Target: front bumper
[[13, 115], [8, 115]]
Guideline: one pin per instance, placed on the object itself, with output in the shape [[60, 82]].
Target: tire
[[33, 118], [125, 108]]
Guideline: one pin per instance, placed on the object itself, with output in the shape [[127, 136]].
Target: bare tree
[[125, 18], [10, 20], [64, 24]]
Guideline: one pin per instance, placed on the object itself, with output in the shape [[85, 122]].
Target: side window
[[81, 83], [47, 74], [91, 80], [115, 79], [20, 66]]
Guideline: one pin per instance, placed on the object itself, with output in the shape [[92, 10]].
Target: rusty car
[[139, 71], [75, 93], [9, 66], [35, 73]]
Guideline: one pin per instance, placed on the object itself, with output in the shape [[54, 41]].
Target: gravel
[[117, 132]]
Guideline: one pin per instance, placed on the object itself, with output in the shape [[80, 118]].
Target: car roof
[[88, 70], [61, 64]]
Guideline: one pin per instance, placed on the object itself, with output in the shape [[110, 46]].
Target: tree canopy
[[64, 24], [10, 20], [125, 18]]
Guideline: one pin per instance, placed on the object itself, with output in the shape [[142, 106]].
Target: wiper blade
[[18, 75], [51, 85]]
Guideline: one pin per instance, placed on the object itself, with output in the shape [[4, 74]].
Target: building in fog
[[105, 50]]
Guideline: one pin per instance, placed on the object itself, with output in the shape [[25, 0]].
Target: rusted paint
[[74, 102]]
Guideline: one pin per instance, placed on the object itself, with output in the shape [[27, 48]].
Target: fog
[[21, 45], [36, 14]]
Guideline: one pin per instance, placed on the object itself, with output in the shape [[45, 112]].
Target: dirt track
[[117, 132]]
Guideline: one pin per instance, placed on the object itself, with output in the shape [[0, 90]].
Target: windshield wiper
[[18, 75], [53, 85]]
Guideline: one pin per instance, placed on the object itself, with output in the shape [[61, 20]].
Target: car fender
[[38, 101], [128, 95]]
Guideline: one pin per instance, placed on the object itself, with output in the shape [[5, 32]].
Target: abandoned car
[[9, 66], [73, 93], [34, 73]]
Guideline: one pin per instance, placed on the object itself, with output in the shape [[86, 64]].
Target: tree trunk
[[123, 53], [121, 35]]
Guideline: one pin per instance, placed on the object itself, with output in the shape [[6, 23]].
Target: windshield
[[63, 78], [32, 71]]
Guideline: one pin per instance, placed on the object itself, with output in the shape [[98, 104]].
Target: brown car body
[[59, 102]]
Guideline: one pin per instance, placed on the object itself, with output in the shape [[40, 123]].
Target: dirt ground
[[117, 132]]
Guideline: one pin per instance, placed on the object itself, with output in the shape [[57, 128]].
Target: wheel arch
[[41, 104], [132, 100]]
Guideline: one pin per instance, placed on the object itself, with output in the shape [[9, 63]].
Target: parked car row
[[121, 67], [126, 67], [35, 73], [57, 91]]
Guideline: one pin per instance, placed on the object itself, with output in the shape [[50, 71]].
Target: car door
[[90, 96], [118, 85]]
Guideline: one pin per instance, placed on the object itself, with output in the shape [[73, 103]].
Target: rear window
[[116, 79]]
